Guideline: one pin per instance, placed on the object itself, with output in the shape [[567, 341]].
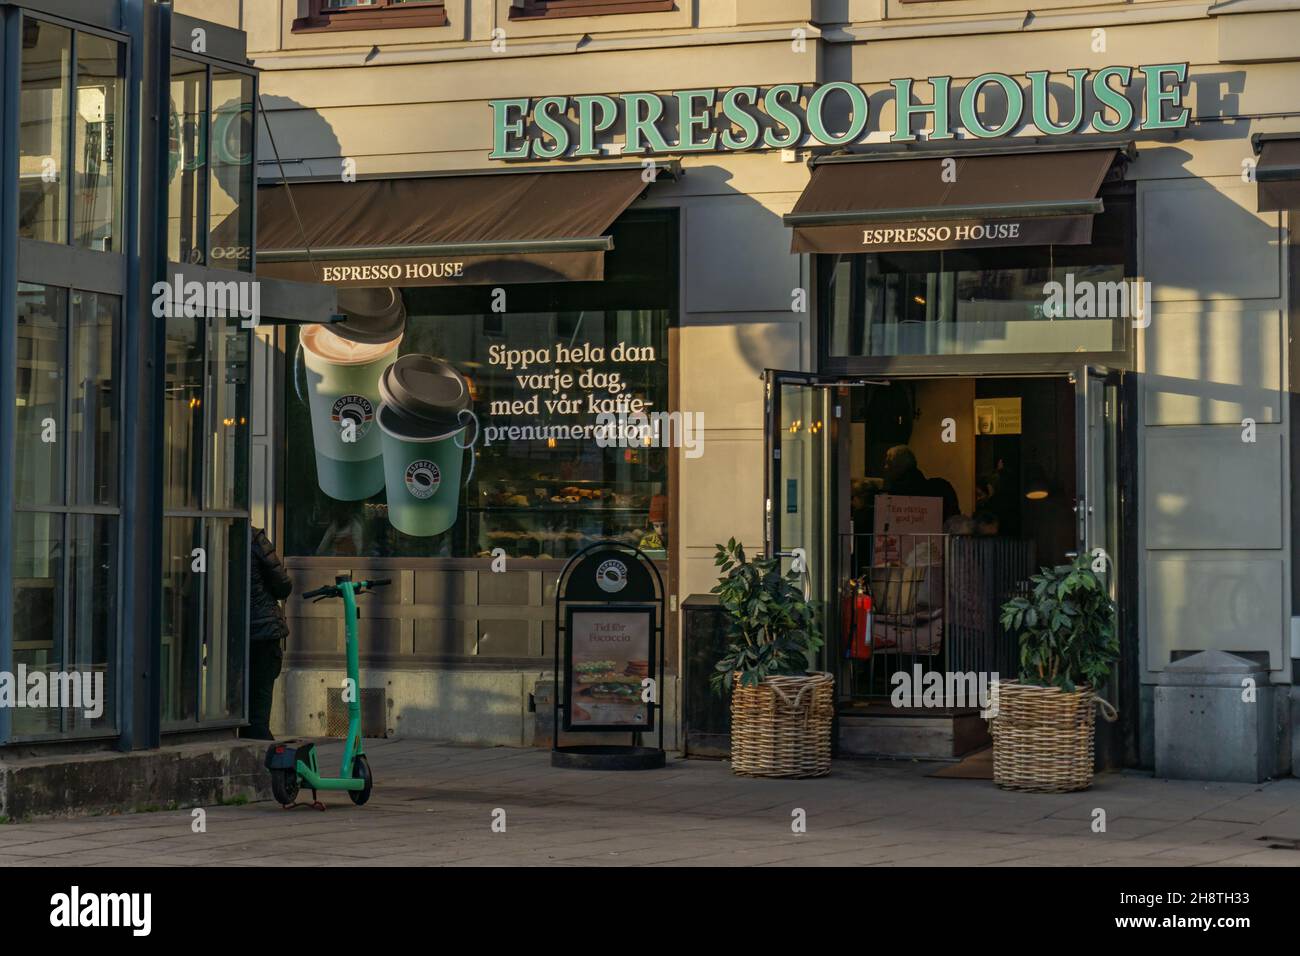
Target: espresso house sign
[[838, 114]]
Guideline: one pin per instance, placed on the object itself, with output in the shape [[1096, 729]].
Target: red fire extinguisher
[[857, 623]]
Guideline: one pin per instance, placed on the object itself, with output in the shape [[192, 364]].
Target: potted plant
[[1045, 722], [781, 712]]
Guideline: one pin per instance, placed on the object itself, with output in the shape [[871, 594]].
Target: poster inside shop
[[907, 574], [610, 650], [997, 416]]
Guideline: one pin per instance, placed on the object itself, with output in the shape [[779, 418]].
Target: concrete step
[[906, 732], [183, 775]]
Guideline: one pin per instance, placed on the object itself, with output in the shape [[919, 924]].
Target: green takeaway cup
[[343, 363], [423, 420]]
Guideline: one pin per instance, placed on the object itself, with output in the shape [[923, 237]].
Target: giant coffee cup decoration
[[423, 419], [343, 363]]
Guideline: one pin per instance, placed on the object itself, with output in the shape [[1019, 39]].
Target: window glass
[[97, 181], [994, 300], [182, 618], [187, 160], [231, 190], [92, 628], [183, 415], [224, 643], [539, 375], [43, 131], [93, 427], [37, 609], [40, 421], [228, 393]]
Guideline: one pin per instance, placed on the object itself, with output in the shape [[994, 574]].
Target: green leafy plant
[[772, 627], [1066, 627]]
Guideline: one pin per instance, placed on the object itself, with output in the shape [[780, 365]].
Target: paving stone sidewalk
[[434, 805]]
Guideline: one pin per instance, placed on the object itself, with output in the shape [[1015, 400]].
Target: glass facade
[[187, 160], [69, 136], [72, 382], [206, 401], [67, 509]]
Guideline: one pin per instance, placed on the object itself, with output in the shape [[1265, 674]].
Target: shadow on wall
[[306, 143]]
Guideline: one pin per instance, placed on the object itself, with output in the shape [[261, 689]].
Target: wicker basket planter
[[782, 726], [1043, 737]]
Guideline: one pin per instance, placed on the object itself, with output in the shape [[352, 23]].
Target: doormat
[[976, 766]]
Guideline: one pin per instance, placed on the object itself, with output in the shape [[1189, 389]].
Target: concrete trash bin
[[1205, 730]]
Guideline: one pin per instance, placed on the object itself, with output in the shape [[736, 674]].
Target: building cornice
[[1027, 22], [553, 46]]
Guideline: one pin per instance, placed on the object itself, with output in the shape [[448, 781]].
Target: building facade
[[1060, 276]]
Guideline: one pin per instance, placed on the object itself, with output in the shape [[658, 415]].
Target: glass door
[[1097, 400], [1097, 461], [806, 504]]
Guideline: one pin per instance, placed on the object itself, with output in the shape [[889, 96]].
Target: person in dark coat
[[270, 584], [903, 477]]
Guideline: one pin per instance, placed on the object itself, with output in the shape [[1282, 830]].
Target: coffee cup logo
[[611, 576], [422, 478], [356, 409]]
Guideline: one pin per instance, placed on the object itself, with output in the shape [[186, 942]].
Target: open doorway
[[953, 490], [915, 505]]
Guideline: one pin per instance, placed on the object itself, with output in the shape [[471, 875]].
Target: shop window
[[230, 192], [210, 165], [187, 160], [555, 9], [205, 526], [370, 15], [66, 502], [542, 486], [992, 300], [71, 108]]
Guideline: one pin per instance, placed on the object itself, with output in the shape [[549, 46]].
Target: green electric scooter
[[295, 767]]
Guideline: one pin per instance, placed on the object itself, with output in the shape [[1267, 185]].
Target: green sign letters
[[838, 113]]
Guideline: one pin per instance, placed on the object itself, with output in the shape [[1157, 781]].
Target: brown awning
[[1278, 171], [900, 202], [475, 228]]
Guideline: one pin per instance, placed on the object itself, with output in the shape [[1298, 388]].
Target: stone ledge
[[175, 776]]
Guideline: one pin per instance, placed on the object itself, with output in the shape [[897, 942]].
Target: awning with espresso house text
[[472, 229], [899, 202], [1277, 171]]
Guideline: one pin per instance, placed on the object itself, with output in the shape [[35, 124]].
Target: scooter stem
[[354, 746]]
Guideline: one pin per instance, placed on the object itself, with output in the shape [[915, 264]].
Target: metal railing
[[935, 601]]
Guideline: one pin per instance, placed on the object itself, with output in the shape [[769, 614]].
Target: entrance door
[[1097, 462], [1097, 399], [803, 412]]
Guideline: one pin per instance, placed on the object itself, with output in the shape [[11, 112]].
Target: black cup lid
[[373, 315], [425, 389]]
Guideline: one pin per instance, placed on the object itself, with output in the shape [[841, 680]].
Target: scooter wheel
[[284, 786], [361, 768]]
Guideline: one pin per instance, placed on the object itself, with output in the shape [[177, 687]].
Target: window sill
[[559, 9], [391, 19]]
